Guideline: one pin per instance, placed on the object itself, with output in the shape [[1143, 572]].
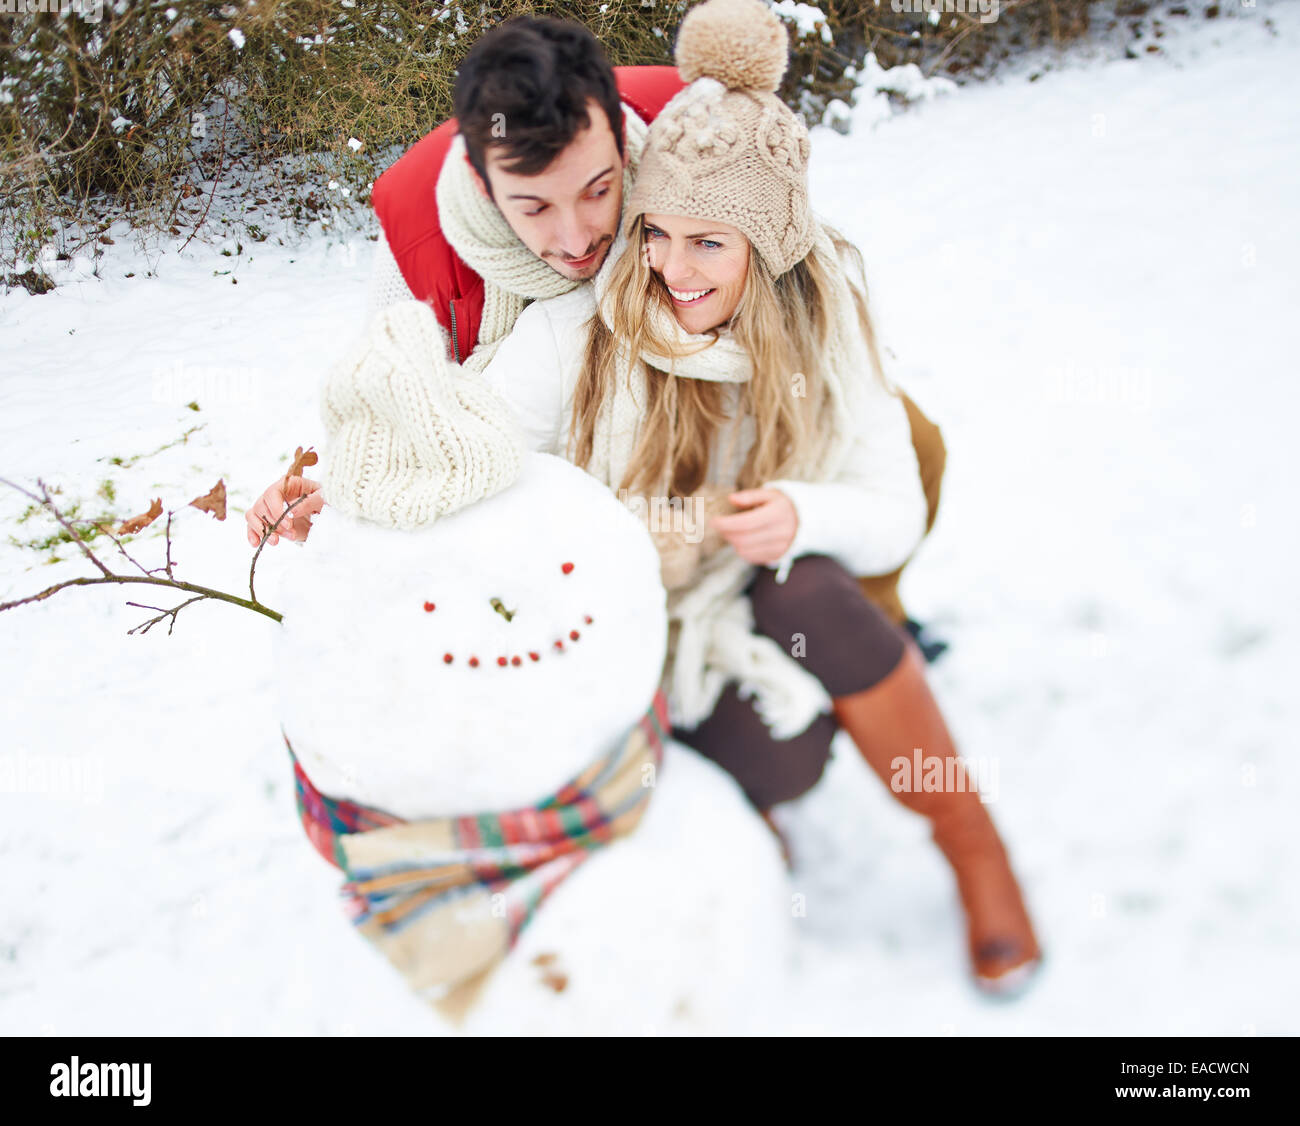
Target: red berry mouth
[[514, 660]]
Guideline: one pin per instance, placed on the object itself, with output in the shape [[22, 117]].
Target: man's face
[[568, 213]]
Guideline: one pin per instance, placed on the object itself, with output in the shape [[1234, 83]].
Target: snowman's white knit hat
[[410, 437]]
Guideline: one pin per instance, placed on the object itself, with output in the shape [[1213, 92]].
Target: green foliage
[[150, 106], [48, 541]]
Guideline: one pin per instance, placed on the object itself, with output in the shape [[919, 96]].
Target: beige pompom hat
[[727, 148]]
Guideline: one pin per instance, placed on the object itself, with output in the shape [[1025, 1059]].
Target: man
[[518, 198], [541, 165]]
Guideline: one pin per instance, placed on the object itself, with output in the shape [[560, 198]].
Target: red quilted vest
[[403, 198]]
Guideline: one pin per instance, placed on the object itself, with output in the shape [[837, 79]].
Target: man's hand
[[272, 503], [763, 533]]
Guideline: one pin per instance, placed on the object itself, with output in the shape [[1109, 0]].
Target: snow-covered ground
[[1087, 281]]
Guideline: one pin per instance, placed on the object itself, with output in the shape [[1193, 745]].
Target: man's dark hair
[[525, 85]]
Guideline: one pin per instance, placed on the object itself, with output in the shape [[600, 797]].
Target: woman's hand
[[273, 502], [764, 532]]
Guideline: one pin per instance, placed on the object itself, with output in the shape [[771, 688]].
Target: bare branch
[[126, 580], [221, 163], [267, 531], [122, 548], [169, 545], [148, 578], [145, 626], [44, 501], [166, 567]]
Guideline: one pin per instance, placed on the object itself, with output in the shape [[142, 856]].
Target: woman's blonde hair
[[785, 325]]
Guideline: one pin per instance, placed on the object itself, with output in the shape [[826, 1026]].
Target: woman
[[723, 359]]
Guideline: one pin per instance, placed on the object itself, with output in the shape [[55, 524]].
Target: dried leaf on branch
[[139, 523], [301, 460], [213, 501]]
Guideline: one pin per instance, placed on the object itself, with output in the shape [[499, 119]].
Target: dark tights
[[847, 643]]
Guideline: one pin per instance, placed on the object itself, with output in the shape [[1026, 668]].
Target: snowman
[[482, 628]]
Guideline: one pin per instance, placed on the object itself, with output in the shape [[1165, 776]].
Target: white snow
[[808, 19], [1088, 281]]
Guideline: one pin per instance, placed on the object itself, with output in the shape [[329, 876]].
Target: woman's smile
[[687, 296]]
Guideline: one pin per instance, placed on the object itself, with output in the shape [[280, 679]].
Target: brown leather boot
[[889, 720]]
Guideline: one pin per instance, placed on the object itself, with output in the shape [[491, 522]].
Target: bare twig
[[267, 530], [221, 163], [168, 565], [145, 626], [45, 502], [122, 548]]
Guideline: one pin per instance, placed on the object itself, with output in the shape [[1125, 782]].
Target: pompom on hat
[[727, 148], [741, 43]]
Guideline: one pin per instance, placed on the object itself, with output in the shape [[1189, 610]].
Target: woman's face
[[702, 264]]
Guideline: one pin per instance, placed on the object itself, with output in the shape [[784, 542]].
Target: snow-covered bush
[[148, 105]]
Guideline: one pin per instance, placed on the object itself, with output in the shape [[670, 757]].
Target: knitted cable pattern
[[411, 437]]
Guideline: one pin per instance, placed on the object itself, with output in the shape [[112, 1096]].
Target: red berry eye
[[446, 657], [428, 606], [566, 567]]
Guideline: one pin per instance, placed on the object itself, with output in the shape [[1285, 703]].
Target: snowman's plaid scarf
[[445, 898]]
